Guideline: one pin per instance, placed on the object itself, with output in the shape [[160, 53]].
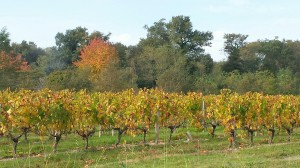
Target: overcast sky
[[40, 20]]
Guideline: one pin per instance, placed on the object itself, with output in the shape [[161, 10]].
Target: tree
[[294, 61], [4, 40], [232, 45], [172, 74], [178, 32], [29, 51], [11, 68], [71, 78], [53, 60], [97, 34], [121, 52], [213, 82], [115, 79], [96, 56], [181, 33], [71, 43], [145, 67], [286, 83], [251, 57], [157, 34], [276, 55], [171, 45], [10, 62]]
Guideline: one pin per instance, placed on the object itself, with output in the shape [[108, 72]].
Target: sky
[[40, 20]]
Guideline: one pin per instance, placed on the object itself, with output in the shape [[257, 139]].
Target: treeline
[[172, 57]]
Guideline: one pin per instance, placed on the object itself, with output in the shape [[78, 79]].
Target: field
[[71, 118], [202, 151]]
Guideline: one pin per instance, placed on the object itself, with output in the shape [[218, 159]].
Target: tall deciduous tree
[[286, 84], [177, 36], [72, 41], [68, 79], [163, 67], [4, 40], [52, 61], [10, 62], [11, 67], [179, 33], [29, 51], [233, 44], [97, 55], [276, 55], [251, 57]]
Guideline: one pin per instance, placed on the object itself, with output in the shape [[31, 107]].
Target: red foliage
[[10, 62], [96, 55]]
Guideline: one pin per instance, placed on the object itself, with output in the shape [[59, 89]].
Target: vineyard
[[55, 113]]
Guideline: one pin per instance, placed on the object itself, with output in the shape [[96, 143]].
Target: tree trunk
[[120, 133], [232, 139], [172, 129], [15, 142], [25, 132], [25, 136], [171, 132], [57, 139], [272, 130], [213, 129], [119, 138], [289, 131], [251, 132], [86, 142], [145, 132], [85, 136]]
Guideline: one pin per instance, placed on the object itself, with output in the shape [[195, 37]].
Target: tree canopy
[[172, 56]]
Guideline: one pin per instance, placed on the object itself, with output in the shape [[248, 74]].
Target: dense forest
[[171, 57]]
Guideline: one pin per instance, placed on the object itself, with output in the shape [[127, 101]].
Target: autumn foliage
[[96, 55], [11, 62]]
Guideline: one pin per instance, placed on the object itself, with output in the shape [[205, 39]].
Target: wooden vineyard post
[[100, 131], [189, 136], [203, 113], [112, 130], [157, 128]]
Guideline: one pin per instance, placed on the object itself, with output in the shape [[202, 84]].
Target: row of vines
[[55, 113]]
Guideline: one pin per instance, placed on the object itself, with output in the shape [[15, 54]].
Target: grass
[[203, 151]]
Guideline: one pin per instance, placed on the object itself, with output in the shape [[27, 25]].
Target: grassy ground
[[203, 151]]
